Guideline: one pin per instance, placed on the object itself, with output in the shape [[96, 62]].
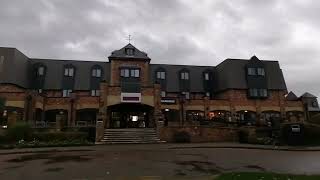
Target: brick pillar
[[282, 104], [102, 121], [206, 103]]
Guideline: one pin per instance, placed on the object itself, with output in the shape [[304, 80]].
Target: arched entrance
[[131, 115]]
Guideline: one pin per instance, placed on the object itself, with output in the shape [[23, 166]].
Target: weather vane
[[129, 38]]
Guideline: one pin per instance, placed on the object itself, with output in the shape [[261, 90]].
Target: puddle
[[59, 159], [57, 169], [30, 157], [199, 166], [256, 167], [51, 159]]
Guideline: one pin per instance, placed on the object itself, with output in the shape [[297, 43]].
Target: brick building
[[128, 91]]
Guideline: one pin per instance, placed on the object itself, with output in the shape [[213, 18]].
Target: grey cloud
[[171, 31]]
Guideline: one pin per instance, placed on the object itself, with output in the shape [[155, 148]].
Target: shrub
[[60, 136], [182, 137], [19, 131], [244, 136]]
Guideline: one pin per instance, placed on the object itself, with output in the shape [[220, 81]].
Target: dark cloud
[[181, 32]]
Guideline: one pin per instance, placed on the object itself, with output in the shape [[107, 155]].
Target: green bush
[[60, 136], [243, 136], [315, 119], [182, 137], [20, 131]]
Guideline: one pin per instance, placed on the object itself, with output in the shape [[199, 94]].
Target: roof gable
[[122, 53], [291, 96]]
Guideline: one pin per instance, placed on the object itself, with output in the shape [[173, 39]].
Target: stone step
[[130, 135]]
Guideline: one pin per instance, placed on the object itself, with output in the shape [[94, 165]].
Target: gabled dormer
[[129, 52], [130, 67], [256, 77]]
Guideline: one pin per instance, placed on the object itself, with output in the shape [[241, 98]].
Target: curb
[[168, 148]]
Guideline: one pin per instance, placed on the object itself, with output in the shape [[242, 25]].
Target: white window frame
[[206, 76], [187, 94], [66, 92], [261, 72], [40, 71], [252, 71], [184, 76], [95, 92], [69, 71], [161, 75], [263, 92], [163, 94], [253, 92], [136, 73]]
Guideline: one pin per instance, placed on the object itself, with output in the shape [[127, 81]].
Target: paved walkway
[[153, 161], [164, 146]]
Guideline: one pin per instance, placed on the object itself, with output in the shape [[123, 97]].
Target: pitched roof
[[231, 75], [291, 96], [172, 76], [308, 95], [54, 73], [121, 53]]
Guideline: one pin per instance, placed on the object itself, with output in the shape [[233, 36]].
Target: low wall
[[201, 134]]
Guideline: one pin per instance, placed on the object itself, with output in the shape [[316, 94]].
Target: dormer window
[[40, 71], [260, 71], [184, 75], [96, 72], [129, 51], [206, 76], [161, 75], [69, 71], [252, 71]]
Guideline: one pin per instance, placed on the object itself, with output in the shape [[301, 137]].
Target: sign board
[[168, 101], [131, 97]]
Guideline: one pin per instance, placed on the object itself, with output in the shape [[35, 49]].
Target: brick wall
[[115, 71], [201, 134]]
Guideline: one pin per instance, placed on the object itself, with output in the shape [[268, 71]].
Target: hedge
[[60, 136]]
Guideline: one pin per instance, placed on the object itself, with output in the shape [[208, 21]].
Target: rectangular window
[[94, 72], [136, 73], [163, 94], [126, 72], [261, 71], [158, 75], [66, 92], [40, 71], [185, 75], [132, 73], [98, 74], [129, 51], [161, 75], [95, 92], [252, 71], [71, 72], [187, 95], [206, 76], [1, 63], [263, 92], [253, 92], [68, 72]]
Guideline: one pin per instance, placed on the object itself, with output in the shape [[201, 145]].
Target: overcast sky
[[181, 32]]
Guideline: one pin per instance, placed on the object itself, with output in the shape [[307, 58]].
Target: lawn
[[264, 176]]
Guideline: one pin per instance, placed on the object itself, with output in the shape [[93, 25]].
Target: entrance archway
[[131, 115]]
